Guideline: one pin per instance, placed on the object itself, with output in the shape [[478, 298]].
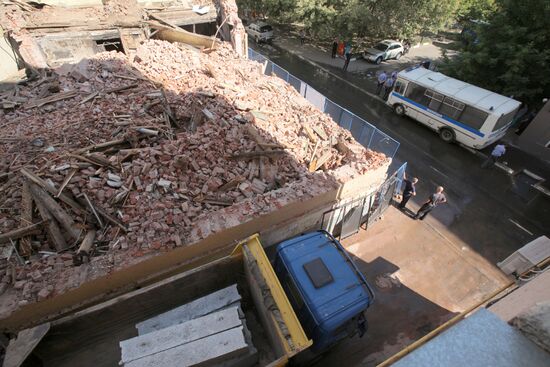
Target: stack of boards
[[209, 331]]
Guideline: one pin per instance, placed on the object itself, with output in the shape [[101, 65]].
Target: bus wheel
[[447, 135], [399, 109]]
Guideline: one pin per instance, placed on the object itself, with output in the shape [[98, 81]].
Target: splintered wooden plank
[[192, 310], [26, 219], [209, 351], [173, 336]]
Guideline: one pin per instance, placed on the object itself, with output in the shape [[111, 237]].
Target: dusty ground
[[421, 279]]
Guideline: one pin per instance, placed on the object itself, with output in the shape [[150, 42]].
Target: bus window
[[399, 87], [451, 108], [504, 120], [416, 93], [473, 117], [435, 100]]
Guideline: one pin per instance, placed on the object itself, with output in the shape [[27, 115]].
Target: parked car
[[260, 31], [384, 50]]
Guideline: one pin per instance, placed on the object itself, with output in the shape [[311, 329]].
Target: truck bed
[[91, 337]]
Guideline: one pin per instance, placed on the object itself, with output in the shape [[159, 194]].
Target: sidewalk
[[421, 279], [362, 77]]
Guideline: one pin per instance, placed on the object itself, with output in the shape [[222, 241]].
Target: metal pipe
[[403, 352]]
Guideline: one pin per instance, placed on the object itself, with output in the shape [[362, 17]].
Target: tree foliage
[[512, 55], [376, 18]]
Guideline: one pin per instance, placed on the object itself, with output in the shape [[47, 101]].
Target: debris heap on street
[[117, 158]]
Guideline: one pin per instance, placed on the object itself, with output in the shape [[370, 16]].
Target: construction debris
[[141, 168]]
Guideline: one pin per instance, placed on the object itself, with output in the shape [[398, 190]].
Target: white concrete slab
[[173, 336], [209, 351], [202, 306]]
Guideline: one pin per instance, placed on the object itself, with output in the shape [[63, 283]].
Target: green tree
[[475, 9], [512, 55]]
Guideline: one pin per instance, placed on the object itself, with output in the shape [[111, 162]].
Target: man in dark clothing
[[408, 191], [348, 58], [435, 199], [334, 48]]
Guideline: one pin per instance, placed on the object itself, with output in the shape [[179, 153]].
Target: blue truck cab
[[327, 291]]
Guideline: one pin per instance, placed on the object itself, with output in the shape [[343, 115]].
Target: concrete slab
[[480, 340], [209, 351], [192, 310], [173, 336]]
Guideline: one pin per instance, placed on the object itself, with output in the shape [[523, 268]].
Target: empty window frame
[[473, 117], [416, 93], [435, 100], [451, 108]]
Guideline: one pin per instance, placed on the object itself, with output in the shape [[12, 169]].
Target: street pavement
[[489, 210]]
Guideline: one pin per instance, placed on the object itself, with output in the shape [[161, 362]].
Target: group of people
[[438, 197], [342, 48], [385, 82], [433, 200]]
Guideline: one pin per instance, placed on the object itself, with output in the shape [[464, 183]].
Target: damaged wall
[[8, 58]]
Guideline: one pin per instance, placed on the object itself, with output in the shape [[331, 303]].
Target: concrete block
[[203, 306], [209, 351], [173, 336]]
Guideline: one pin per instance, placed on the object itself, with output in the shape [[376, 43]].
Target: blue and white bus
[[458, 111]]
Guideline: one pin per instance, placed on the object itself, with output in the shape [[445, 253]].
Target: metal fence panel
[[366, 134], [346, 119], [333, 110], [315, 98], [295, 82], [280, 72], [383, 143]]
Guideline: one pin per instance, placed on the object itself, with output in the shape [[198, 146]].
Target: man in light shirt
[[381, 80], [498, 151]]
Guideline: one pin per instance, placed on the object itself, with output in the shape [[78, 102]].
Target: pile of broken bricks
[[127, 156]]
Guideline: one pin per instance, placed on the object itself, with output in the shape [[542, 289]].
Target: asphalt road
[[489, 210]]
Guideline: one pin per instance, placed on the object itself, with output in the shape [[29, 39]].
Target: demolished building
[[123, 168]]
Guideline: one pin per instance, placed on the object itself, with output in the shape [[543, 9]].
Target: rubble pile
[[116, 158]]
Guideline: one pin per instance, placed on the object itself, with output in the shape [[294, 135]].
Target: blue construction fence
[[365, 133]]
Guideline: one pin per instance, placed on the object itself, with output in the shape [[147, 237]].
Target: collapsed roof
[[118, 158]]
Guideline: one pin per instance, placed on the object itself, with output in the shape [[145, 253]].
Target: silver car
[[260, 32], [384, 50]]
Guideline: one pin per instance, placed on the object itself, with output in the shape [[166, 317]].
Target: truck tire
[[446, 134], [378, 61], [399, 109]]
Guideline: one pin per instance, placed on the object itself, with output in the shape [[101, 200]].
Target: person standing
[[498, 151], [435, 199], [388, 86], [409, 191], [347, 56], [334, 47], [382, 77], [302, 36]]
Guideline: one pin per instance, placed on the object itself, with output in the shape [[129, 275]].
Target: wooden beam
[[20, 232], [52, 190], [261, 153], [26, 219], [66, 221], [180, 35]]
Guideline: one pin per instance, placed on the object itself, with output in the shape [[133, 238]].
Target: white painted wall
[[8, 63]]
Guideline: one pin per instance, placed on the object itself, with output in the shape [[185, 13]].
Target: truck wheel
[[447, 135], [399, 109], [378, 61], [398, 56]]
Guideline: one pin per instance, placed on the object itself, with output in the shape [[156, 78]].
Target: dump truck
[[294, 305]]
